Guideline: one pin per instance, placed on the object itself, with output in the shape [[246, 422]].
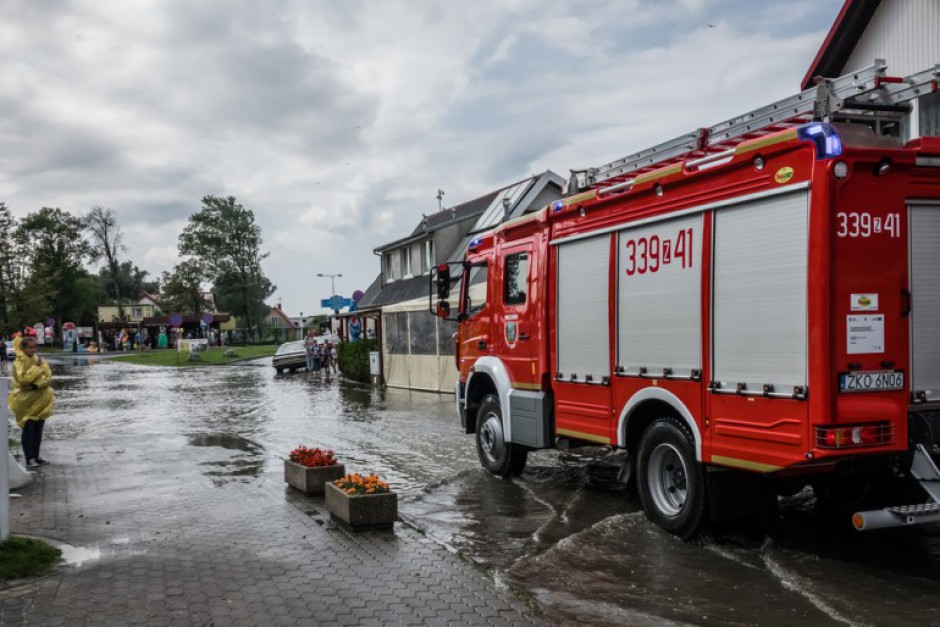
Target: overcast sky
[[337, 122]]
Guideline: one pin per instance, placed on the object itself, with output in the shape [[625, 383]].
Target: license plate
[[874, 381]]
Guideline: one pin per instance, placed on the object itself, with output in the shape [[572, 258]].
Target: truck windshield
[[476, 289]]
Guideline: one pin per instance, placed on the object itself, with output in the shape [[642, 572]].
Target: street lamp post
[[332, 281]]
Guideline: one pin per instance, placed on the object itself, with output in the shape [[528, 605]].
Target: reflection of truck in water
[[746, 310]]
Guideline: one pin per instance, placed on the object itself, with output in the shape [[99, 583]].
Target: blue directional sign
[[335, 302]]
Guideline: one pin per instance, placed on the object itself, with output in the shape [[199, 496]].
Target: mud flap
[[530, 416]]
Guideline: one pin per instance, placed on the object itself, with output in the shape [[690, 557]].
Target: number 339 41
[[864, 224]]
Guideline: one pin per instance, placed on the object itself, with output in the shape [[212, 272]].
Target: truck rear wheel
[[671, 482], [501, 458]]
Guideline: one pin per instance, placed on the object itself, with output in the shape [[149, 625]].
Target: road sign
[[335, 303], [207, 318], [50, 322], [176, 319]]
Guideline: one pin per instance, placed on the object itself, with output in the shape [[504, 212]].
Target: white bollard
[[4, 454]]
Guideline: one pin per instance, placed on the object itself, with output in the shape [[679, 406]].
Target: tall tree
[[9, 283], [182, 288], [130, 281], [224, 236], [55, 251], [107, 242]]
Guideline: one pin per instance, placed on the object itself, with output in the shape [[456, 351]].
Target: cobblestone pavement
[[161, 539]]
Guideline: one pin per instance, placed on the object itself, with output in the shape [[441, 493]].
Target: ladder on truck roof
[[868, 96]]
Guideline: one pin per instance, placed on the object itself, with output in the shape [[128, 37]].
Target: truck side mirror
[[440, 287], [443, 281]]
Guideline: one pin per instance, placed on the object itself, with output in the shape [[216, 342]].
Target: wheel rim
[[492, 442], [668, 479]]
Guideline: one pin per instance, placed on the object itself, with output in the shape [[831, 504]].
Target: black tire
[[670, 480], [496, 455], [280, 370]]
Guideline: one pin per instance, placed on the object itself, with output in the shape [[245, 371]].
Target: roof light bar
[[824, 136]]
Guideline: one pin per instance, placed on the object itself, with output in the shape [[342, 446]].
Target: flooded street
[[565, 532]]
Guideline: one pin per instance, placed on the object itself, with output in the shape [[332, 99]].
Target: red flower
[[313, 457]]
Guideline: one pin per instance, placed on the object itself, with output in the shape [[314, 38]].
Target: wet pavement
[[174, 477]]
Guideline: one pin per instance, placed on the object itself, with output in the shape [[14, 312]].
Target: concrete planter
[[311, 480], [362, 511]]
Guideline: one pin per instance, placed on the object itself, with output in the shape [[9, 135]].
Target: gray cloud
[[336, 122]]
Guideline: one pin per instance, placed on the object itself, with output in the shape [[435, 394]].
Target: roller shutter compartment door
[[659, 314], [925, 295], [582, 301], [759, 293]]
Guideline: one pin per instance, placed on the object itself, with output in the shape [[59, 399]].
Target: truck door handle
[[481, 345], [523, 336]]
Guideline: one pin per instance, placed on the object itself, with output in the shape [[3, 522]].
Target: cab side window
[[516, 284], [476, 289]]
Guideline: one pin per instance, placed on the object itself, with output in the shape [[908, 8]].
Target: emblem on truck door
[[784, 174], [511, 333]]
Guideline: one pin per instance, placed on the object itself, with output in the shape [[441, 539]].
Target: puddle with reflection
[[234, 468], [224, 440]]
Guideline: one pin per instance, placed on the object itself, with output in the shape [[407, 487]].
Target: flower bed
[[362, 502], [310, 469]]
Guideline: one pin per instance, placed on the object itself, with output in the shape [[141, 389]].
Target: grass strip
[[26, 557]]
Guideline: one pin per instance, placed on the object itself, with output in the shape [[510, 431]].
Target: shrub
[[354, 359]]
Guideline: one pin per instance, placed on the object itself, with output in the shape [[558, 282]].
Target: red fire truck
[[746, 309]]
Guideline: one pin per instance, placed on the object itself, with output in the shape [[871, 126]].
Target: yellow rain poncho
[[31, 397]]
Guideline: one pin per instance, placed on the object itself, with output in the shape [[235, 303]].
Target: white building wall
[[905, 33]]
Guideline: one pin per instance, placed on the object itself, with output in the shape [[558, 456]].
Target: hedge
[[354, 359]]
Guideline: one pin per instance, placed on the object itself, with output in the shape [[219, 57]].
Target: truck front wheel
[[501, 458], [671, 482]]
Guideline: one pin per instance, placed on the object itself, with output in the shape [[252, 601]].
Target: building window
[[274, 321], [930, 115], [427, 256], [389, 273], [137, 312], [406, 262], [517, 274]]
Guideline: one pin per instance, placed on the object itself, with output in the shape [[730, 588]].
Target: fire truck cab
[[741, 321]]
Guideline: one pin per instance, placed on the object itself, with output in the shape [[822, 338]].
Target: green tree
[[131, 281], [182, 289], [224, 236], [9, 280], [107, 242], [229, 296], [55, 252]]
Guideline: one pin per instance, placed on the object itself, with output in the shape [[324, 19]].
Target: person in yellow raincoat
[[31, 399]]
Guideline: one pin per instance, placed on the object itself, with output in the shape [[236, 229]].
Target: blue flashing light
[[824, 136], [475, 243], [558, 205]]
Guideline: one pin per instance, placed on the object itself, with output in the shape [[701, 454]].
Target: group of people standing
[[319, 356]]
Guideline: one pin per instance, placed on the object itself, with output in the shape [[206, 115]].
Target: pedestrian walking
[[31, 398], [333, 358], [3, 355]]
